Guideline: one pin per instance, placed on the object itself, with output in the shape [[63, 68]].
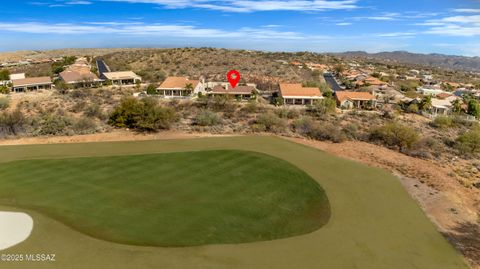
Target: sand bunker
[[14, 228]]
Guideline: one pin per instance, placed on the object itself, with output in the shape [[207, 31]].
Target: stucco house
[[31, 84], [78, 78], [121, 78], [349, 100], [241, 93], [179, 87], [296, 94]]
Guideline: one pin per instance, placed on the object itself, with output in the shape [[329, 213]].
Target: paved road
[[102, 67], [332, 82]]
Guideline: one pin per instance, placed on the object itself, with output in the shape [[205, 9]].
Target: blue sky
[[425, 26]]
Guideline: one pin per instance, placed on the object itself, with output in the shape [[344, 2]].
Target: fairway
[[374, 223], [171, 199]]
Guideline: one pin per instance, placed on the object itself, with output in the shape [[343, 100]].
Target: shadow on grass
[[466, 238]]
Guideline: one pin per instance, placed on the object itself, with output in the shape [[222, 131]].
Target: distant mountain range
[[433, 60]]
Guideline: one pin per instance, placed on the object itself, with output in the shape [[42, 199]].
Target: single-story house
[[80, 78], [31, 84], [441, 106], [348, 100], [121, 78], [240, 92], [179, 87], [430, 90], [296, 94]]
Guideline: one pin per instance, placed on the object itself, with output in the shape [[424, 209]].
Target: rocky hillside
[[431, 60]]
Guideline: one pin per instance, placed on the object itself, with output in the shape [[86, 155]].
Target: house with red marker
[[240, 93]]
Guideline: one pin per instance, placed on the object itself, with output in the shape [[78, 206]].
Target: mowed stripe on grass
[[374, 224], [171, 199]]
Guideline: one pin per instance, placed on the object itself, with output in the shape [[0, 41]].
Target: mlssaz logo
[[40, 257]]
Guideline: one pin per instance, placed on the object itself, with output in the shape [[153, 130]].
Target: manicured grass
[[171, 199], [374, 224]]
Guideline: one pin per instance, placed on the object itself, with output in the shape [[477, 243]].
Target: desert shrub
[[326, 131], [143, 115], [78, 106], [12, 123], [287, 113], [4, 90], [412, 108], [394, 135], [151, 89], [53, 124], [426, 148], [94, 111], [252, 107], [84, 126], [78, 93], [221, 103], [4, 103], [469, 142], [207, 118], [442, 122], [323, 107], [461, 121], [351, 131], [271, 122]]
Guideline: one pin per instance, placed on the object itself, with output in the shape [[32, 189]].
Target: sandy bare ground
[[14, 228], [118, 135], [451, 206]]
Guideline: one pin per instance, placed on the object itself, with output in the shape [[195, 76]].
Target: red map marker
[[233, 77]]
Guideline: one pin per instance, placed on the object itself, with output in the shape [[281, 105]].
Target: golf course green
[[91, 222], [171, 199]]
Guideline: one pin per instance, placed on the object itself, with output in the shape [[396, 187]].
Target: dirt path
[[118, 135]]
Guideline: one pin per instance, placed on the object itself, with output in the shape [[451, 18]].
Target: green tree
[[143, 115], [152, 89], [4, 90], [426, 103], [457, 106], [395, 135], [189, 87], [61, 86], [4, 74], [339, 68], [473, 108], [323, 107], [469, 142]]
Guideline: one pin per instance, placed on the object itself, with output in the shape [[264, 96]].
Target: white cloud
[[397, 34], [454, 26], [344, 23], [386, 16], [251, 5], [136, 28], [78, 3], [467, 10]]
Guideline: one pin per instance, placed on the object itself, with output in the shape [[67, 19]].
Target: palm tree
[[189, 87], [426, 103], [457, 106]]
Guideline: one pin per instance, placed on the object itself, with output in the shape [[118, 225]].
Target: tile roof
[[121, 75], [344, 95], [75, 76], [31, 81], [177, 83], [299, 90], [236, 90]]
